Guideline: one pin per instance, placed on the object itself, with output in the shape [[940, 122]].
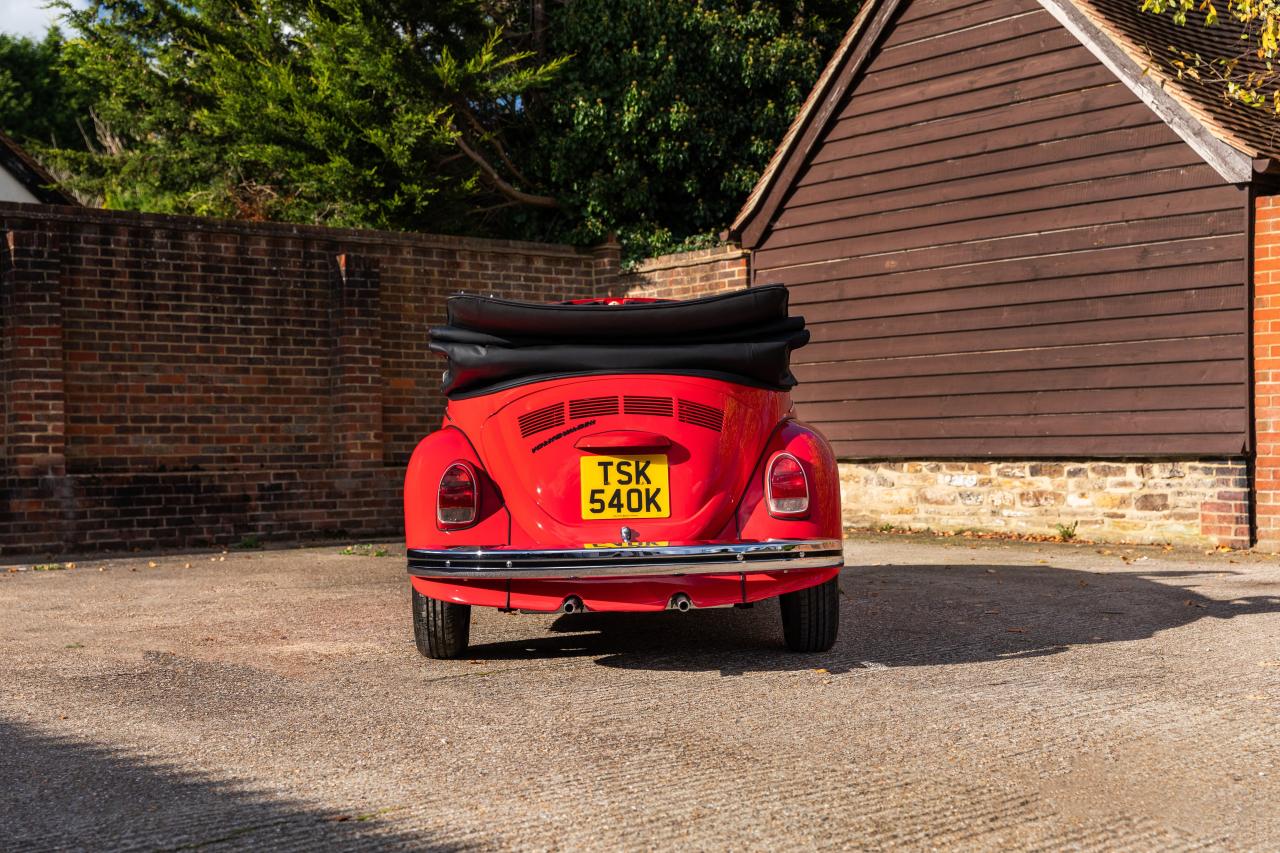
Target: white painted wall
[[11, 190]]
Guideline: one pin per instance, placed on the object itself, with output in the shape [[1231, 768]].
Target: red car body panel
[[526, 443]]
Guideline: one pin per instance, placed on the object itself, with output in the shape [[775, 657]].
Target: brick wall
[[1198, 501], [169, 381], [685, 275], [1266, 369]]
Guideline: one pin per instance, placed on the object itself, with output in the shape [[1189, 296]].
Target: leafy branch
[[1248, 75]]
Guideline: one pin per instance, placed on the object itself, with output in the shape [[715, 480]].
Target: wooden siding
[[1001, 251]]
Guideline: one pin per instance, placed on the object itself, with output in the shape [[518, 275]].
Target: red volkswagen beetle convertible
[[621, 455]]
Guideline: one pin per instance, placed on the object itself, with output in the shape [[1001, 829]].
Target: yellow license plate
[[662, 544], [625, 486]]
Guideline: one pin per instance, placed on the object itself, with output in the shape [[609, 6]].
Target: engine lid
[[666, 457]]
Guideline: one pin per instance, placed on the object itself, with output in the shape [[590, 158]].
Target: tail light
[[458, 502], [786, 487]]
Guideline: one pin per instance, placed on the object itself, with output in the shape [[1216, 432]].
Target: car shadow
[[63, 793], [903, 615]]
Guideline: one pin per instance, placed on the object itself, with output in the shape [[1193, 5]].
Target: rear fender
[[432, 456], [819, 462]]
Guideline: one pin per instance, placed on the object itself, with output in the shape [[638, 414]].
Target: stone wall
[[1176, 501]]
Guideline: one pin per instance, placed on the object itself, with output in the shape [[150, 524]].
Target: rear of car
[[621, 457]]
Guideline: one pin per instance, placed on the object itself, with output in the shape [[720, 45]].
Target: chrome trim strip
[[724, 558]]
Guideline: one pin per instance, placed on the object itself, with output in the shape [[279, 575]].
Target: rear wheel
[[811, 617], [441, 628]]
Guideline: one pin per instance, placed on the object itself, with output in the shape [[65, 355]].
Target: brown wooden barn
[[1025, 250]]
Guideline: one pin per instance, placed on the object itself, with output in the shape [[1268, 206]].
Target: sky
[[25, 17]]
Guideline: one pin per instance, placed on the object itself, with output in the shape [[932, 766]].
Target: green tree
[[39, 104], [379, 113], [650, 119], [670, 109]]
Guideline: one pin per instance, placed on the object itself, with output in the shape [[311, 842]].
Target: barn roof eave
[[813, 115], [1166, 100], [27, 171]]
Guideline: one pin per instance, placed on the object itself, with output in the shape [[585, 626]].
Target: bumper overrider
[[627, 561]]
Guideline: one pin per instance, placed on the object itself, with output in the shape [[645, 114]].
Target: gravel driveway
[[982, 695]]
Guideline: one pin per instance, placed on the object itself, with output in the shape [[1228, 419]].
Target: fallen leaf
[[151, 564], [1016, 630]]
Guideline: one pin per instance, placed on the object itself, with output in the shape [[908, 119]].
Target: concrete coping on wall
[[726, 252], [199, 224]]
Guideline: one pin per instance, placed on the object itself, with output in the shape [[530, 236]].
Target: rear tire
[[441, 628], [811, 617]]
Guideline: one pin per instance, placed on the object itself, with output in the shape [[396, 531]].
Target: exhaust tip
[[572, 604], [681, 602]]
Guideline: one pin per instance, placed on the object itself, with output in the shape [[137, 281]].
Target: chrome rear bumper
[[628, 561]]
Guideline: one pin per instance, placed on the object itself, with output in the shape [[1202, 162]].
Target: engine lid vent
[[658, 407], [593, 407], [541, 419], [700, 415]]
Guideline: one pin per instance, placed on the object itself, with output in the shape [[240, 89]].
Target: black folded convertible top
[[745, 336]]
